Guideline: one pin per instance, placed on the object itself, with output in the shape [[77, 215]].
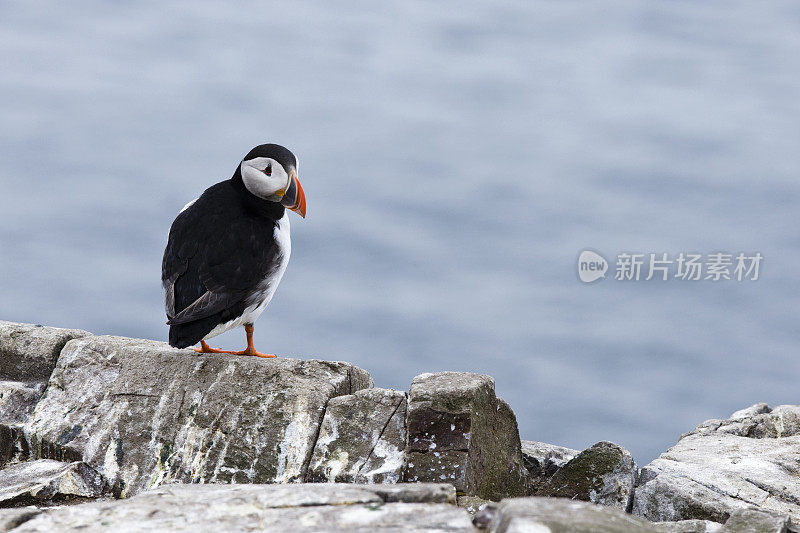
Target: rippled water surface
[[456, 156]]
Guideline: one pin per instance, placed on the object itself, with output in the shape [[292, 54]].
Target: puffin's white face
[[266, 178]]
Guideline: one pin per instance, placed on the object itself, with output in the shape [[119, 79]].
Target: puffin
[[228, 249]]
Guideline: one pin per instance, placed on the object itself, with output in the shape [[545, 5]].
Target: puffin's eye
[[268, 170]]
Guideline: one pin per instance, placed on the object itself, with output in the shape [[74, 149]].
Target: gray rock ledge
[[142, 413], [278, 508]]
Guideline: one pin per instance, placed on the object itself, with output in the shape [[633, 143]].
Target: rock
[[28, 352], [755, 409], [560, 515], [8, 436], [142, 413], [448, 466], [542, 460], [17, 400], [13, 447], [688, 526], [460, 432], [362, 439], [756, 521], [47, 480], [750, 460], [472, 504], [11, 518], [416, 493], [279, 508], [482, 515], [604, 473], [757, 422]]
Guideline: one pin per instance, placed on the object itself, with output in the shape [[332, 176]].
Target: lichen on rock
[[603, 473], [459, 432]]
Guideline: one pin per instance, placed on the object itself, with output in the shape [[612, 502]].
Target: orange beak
[[295, 198]]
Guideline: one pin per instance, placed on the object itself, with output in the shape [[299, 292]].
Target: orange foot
[[252, 351], [205, 348]]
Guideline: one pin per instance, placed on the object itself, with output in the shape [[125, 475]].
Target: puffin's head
[[269, 171]]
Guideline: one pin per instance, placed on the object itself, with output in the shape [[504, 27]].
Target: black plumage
[[220, 254]]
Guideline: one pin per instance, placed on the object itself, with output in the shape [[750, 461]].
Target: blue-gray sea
[[457, 157]]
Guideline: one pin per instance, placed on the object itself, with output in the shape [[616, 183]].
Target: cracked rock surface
[[142, 413], [459, 432], [279, 508], [47, 480], [17, 400], [28, 352], [750, 459], [362, 438]]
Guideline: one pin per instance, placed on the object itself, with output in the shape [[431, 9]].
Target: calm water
[[456, 156]]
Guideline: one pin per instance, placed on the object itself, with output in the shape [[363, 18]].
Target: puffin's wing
[[209, 303], [214, 260], [181, 247], [169, 298]]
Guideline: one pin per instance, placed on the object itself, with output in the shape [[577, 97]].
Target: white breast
[[266, 290]]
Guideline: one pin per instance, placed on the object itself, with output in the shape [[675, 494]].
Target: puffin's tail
[[190, 333]]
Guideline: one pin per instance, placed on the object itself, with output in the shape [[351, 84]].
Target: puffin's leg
[[205, 348], [251, 349]]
